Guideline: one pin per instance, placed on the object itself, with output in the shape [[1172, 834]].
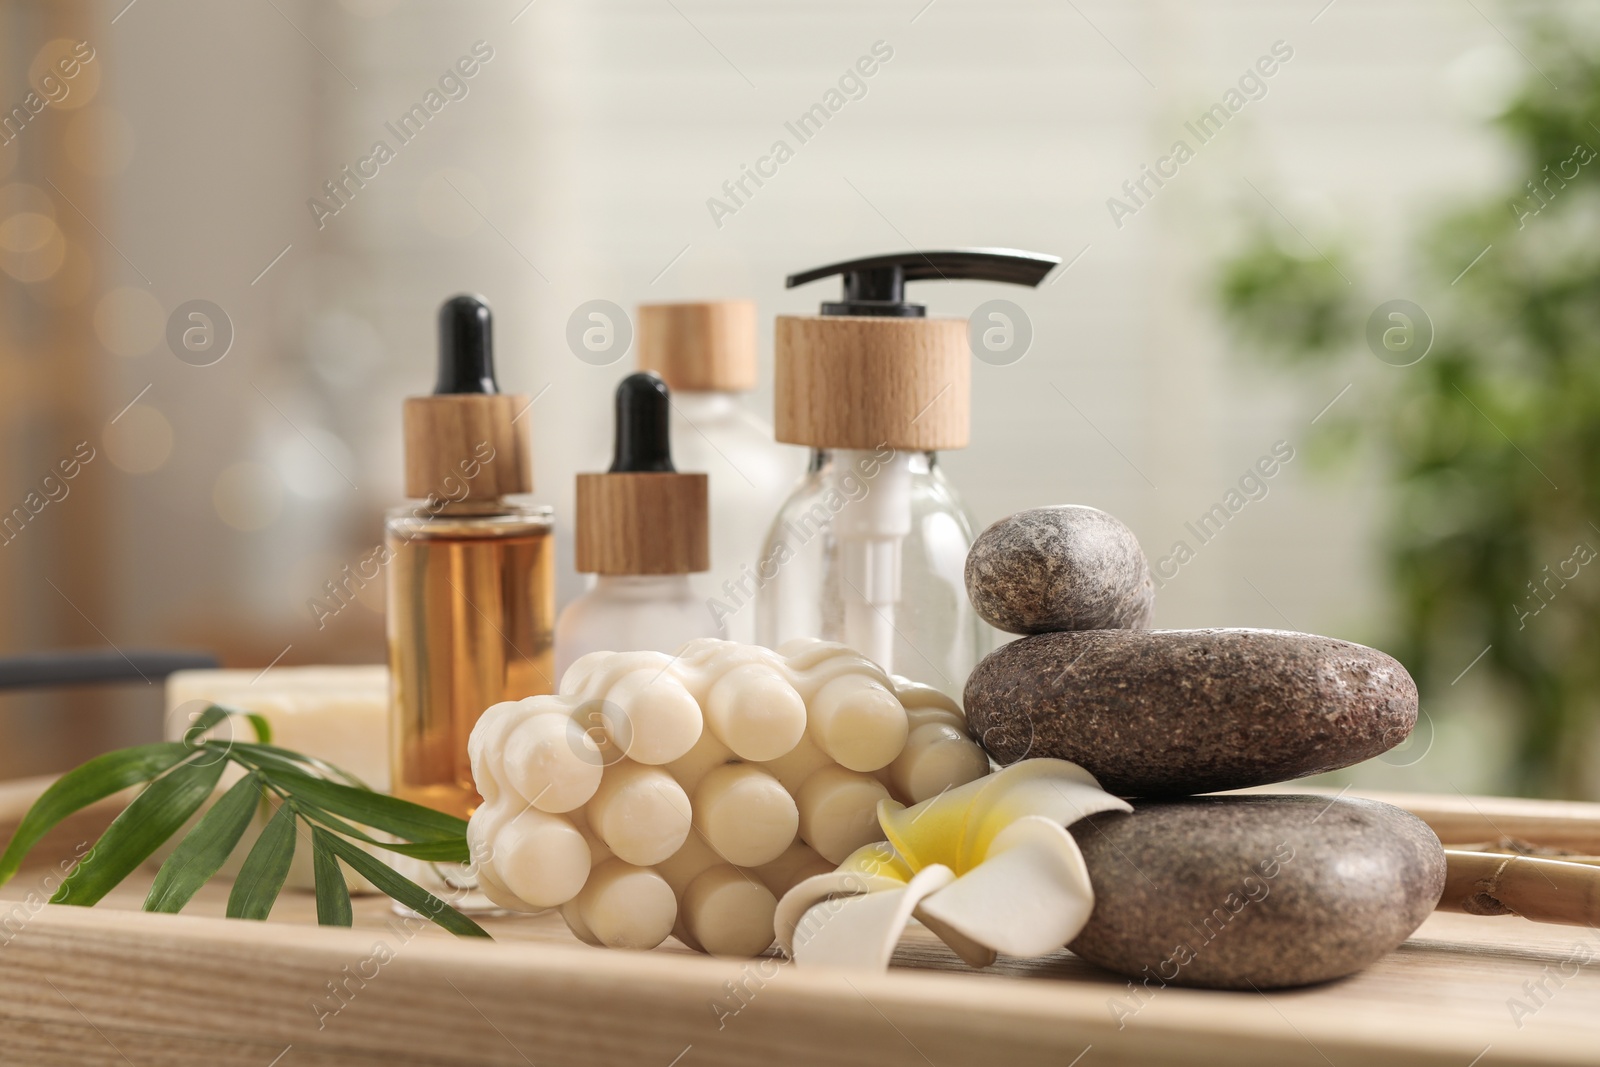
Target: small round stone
[[1067, 567], [1259, 892]]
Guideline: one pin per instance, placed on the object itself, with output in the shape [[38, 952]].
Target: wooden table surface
[[111, 985]]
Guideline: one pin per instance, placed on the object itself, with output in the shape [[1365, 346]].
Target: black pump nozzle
[[466, 347], [643, 404], [876, 285]]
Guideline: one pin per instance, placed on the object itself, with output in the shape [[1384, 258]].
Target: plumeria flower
[[989, 867]]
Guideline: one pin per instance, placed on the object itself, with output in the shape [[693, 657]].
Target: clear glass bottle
[[471, 616], [751, 477], [706, 353], [871, 550], [471, 581], [936, 636]]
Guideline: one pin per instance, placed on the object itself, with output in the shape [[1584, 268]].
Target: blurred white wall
[[578, 166]]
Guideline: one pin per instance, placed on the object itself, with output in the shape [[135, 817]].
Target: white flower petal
[[870, 869], [1054, 789], [861, 931], [971, 953], [1030, 895]]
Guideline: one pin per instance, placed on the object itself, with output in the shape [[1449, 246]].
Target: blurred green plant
[[1491, 442]]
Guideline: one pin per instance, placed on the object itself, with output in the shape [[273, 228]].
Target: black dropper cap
[[466, 347], [643, 404], [876, 285]]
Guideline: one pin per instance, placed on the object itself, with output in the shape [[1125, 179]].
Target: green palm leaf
[[405, 890], [77, 789], [183, 775], [261, 877], [377, 810], [202, 853], [333, 895], [155, 815]]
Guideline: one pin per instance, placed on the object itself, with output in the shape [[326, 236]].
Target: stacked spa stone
[[1228, 892]]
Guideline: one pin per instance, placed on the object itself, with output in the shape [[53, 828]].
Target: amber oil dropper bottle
[[471, 594]]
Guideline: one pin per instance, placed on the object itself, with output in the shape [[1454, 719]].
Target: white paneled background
[[578, 167]]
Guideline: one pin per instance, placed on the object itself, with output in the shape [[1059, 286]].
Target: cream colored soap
[[858, 722], [745, 814], [799, 763], [701, 786], [729, 912], [337, 714], [651, 718], [798, 862], [542, 858], [935, 755], [624, 906], [755, 712], [640, 812], [552, 760], [839, 811]]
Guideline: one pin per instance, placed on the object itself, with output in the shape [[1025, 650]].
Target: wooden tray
[[110, 985]]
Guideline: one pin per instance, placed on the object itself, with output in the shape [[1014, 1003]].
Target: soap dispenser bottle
[[706, 353], [641, 531], [471, 569], [869, 549]]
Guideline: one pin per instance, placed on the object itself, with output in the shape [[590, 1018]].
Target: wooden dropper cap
[[701, 347], [872, 370], [642, 516], [466, 434]]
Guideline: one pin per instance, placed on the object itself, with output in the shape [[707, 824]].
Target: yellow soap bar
[[337, 714]]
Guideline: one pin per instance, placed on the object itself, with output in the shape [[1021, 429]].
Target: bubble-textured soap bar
[[658, 795]]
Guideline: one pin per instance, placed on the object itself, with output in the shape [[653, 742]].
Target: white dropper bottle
[[641, 530], [706, 352]]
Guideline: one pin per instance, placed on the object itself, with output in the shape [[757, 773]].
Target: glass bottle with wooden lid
[[471, 588]]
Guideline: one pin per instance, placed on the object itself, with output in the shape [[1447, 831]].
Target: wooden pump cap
[[467, 439], [862, 381], [642, 522], [702, 347]]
